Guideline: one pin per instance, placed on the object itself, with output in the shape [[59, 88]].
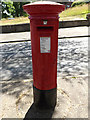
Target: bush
[[13, 9], [7, 9]]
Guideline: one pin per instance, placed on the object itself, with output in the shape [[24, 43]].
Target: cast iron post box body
[[44, 40]]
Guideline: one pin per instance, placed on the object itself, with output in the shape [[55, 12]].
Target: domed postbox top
[[43, 7]]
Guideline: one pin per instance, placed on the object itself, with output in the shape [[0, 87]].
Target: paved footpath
[[65, 32], [72, 76]]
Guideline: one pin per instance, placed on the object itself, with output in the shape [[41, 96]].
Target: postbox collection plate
[[45, 44]]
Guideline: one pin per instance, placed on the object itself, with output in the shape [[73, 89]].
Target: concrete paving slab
[[15, 36], [74, 31]]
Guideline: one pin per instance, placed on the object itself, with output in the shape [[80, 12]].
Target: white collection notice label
[[45, 44]]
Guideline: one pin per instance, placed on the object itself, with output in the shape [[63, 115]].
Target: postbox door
[[45, 58]]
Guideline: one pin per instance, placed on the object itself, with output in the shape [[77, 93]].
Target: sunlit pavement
[[65, 32], [72, 78]]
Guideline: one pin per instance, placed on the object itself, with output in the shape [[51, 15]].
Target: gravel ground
[[72, 72]]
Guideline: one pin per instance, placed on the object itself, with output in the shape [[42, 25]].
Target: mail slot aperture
[[45, 28]]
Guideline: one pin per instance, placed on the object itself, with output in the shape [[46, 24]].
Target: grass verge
[[76, 12], [17, 20]]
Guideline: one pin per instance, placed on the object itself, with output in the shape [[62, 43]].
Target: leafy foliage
[[7, 9], [12, 9], [18, 9]]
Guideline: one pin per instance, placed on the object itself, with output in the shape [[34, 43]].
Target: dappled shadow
[[17, 63], [16, 68], [73, 57]]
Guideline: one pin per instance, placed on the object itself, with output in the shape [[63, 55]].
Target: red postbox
[[44, 41]]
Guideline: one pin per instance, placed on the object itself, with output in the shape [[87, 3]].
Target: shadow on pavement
[[16, 68], [35, 113], [17, 63]]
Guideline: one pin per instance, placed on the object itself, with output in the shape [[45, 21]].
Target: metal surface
[[43, 8], [44, 41], [45, 44], [44, 57], [45, 99]]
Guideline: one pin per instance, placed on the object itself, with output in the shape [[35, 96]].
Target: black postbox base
[[45, 99]]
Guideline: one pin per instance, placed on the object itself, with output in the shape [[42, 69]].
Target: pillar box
[[44, 42]]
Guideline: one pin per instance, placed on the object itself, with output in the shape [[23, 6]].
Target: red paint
[[44, 64]]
